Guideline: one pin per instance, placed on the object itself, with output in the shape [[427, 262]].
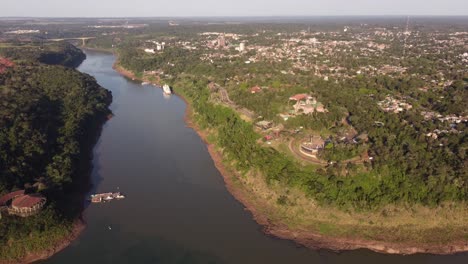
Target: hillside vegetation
[[49, 117]]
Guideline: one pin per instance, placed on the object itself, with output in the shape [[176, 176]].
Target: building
[[7, 198], [160, 46], [27, 205], [21, 204], [221, 41], [255, 89], [391, 104], [264, 124], [306, 104], [242, 46], [152, 51], [312, 146], [298, 97], [4, 64]]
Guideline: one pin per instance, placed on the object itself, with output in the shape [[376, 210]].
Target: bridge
[[83, 39]]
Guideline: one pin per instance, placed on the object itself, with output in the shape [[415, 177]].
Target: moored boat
[[167, 89], [106, 197]]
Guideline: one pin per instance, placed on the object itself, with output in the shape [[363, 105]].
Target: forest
[[50, 116], [60, 53]]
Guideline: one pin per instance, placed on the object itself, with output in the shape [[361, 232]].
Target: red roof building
[[4, 64], [27, 204], [7, 197], [27, 201], [255, 89], [298, 97]]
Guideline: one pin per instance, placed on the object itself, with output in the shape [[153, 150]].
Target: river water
[[177, 208]]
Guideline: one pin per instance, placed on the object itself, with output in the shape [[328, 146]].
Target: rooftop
[[4, 199], [27, 201], [299, 97]]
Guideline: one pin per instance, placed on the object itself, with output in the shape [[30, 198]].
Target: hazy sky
[[154, 8]]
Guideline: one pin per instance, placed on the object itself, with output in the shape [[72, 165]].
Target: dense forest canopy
[[49, 115], [60, 53], [43, 114]]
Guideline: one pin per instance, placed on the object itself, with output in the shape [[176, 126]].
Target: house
[[5, 199], [152, 51], [264, 124], [21, 204], [320, 108], [4, 64], [255, 89], [26, 205], [298, 97], [306, 104], [312, 146]]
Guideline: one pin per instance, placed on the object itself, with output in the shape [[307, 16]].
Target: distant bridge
[[83, 39]]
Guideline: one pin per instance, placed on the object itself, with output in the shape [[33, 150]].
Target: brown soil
[[308, 239], [78, 227], [131, 75]]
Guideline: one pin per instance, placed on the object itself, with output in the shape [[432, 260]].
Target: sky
[[181, 8]]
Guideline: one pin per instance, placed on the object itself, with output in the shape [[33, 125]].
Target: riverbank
[[251, 192], [78, 226]]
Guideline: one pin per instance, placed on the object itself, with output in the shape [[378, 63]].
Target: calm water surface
[[177, 208]]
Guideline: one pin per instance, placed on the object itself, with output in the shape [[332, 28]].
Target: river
[[177, 208]]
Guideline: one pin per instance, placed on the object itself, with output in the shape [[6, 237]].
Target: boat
[[119, 196], [96, 199], [106, 197], [167, 89], [145, 83]]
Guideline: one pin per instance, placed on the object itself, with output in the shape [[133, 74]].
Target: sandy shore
[[305, 238]]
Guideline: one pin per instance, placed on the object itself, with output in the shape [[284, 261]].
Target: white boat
[[119, 196], [145, 83], [108, 198], [167, 89]]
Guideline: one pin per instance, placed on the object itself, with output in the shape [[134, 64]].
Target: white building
[[160, 46], [242, 46], [150, 51]]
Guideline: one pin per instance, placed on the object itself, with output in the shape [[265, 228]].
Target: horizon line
[[247, 16]]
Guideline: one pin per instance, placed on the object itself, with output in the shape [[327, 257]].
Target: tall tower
[[221, 41]]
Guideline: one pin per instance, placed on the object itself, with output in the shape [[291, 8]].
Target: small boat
[[108, 198], [167, 89], [119, 196], [96, 199], [145, 83]]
